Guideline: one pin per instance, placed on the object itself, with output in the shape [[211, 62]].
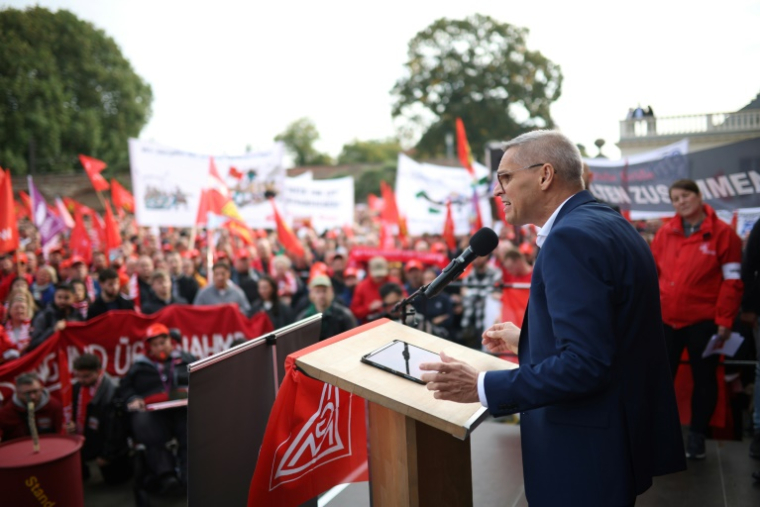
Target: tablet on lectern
[[402, 359]]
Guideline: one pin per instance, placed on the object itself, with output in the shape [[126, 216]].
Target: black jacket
[[336, 319], [104, 432], [185, 287], [43, 325], [280, 316], [99, 306], [143, 378], [156, 304]]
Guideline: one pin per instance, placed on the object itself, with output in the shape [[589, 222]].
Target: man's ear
[[548, 175]]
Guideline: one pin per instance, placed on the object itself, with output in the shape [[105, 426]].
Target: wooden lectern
[[413, 459]]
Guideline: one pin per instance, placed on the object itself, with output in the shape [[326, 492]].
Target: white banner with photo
[[167, 183], [422, 191], [326, 204]]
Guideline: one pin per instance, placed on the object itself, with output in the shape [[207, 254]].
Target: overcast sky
[[227, 74]]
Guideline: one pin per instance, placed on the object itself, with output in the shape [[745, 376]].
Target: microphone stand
[[404, 303]]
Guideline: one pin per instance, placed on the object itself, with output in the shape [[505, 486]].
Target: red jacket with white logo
[[700, 276]]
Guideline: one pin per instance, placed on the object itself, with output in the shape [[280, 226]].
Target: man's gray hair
[[549, 147]]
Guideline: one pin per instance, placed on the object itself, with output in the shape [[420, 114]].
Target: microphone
[[482, 243]]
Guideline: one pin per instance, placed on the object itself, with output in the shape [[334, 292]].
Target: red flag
[[80, 242], [121, 197], [216, 198], [93, 167], [374, 203], [390, 210], [463, 148], [735, 220], [448, 229], [285, 234], [9, 239], [26, 201], [113, 237], [234, 173], [64, 213], [316, 438], [20, 210]]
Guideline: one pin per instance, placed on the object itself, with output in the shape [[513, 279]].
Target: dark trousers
[[703, 369], [154, 430]]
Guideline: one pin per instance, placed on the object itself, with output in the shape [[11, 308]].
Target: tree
[[480, 70], [369, 152], [66, 89], [299, 138]]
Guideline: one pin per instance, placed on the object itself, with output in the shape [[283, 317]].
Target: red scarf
[[85, 397], [21, 336]]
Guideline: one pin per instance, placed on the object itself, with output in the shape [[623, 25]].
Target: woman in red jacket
[[698, 259]]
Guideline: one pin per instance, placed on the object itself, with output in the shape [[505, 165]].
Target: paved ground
[[721, 480]]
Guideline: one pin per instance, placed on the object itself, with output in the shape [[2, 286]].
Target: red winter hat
[[156, 330]]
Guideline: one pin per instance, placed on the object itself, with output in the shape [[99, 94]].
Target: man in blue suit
[[594, 390]]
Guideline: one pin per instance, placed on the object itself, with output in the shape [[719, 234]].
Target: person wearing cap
[[161, 283], [350, 280], [367, 298], [111, 297], [54, 316], [413, 271], [245, 275], [80, 272], [15, 270], [159, 375], [336, 318]]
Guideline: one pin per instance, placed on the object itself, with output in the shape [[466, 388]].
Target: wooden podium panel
[[340, 365]]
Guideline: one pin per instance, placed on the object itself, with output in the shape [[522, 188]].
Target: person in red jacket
[[48, 412], [367, 298], [698, 260]]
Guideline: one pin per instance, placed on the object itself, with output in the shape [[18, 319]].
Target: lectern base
[[412, 464]]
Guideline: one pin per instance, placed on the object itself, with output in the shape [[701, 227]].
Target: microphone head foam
[[484, 242]]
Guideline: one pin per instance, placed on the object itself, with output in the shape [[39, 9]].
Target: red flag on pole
[[285, 234], [448, 229], [113, 236], [27, 201], [93, 167], [390, 209], [463, 148], [80, 243], [122, 199], [9, 239], [216, 199]]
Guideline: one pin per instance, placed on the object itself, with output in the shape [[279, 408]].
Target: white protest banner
[[167, 183], [327, 204], [422, 191]]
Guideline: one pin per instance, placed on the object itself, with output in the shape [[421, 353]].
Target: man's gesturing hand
[[452, 380], [502, 338]]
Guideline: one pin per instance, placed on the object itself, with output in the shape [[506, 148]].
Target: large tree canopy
[[299, 138], [480, 70], [65, 89], [374, 151]]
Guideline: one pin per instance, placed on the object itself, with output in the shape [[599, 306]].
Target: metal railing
[[653, 126]]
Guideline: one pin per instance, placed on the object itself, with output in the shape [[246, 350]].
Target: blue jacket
[[599, 416]]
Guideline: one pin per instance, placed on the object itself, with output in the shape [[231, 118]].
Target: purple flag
[[47, 223]]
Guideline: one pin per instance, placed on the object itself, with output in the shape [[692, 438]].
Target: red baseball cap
[[156, 330], [77, 259], [350, 272], [20, 257], [413, 264], [243, 253]]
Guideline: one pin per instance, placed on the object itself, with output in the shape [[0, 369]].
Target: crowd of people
[[699, 259]]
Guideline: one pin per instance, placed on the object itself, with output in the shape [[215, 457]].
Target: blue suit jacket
[[599, 415]]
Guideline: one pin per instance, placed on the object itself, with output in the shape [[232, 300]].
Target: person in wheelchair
[[160, 375]]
